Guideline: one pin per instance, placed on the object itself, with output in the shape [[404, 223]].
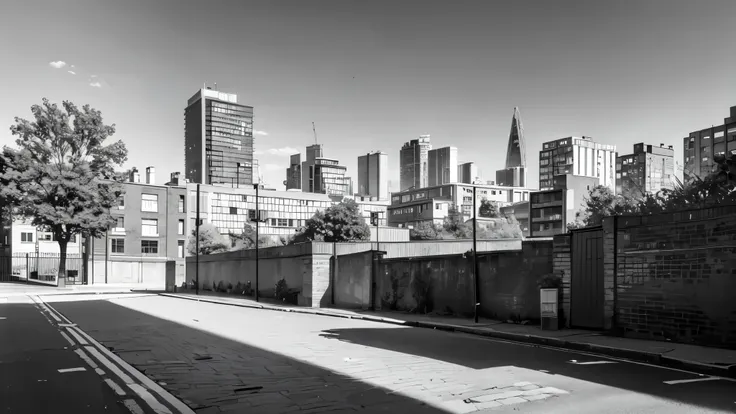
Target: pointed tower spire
[[516, 152]]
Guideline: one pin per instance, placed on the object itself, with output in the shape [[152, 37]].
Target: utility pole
[[475, 257], [196, 244], [258, 219]]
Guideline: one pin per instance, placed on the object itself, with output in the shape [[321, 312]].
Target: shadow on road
[[205, 370], [482, 353]]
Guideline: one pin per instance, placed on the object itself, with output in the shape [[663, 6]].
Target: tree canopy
[[716, 188], [210, 241], [426, 230], [61, 177], [247, 239], [488, 209], [338, 223]]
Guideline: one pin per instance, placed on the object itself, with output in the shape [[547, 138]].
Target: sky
[[373, 75]]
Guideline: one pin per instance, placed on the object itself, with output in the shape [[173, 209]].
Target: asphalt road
[[32, 352], [207, 353]]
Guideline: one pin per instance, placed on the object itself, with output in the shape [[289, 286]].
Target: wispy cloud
[[72, 72], [95, 84], [279, 152], [257, 132], [58, 64]]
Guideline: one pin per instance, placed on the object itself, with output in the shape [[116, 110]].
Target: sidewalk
[[703, 360], [12, 289]]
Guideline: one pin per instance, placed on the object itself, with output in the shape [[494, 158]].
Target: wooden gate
[[586, 281]]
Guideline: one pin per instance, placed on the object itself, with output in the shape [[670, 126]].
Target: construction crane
[[315, 132]]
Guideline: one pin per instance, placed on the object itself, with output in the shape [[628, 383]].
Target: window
[[117, 245], [149, 227], [73, 239], [180, 246], [181, 227], [120, 223], [149, 246], [282, 222], [181, 204], [149, 203], [121, 202], [233, 210], [26, 237]]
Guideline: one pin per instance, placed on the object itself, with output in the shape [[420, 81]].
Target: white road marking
[[2, 318], [112, 367], [100, 372], [86, 358], [133, 407], [66, 325], [77, 337], [592, 362], [686, 381], [68, 339], [78, 369], [115, 387], [149, 399]]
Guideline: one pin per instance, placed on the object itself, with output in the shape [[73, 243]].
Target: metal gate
[[41, 268], [586, 281]]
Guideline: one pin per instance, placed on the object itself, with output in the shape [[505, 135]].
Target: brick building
[[700, 147]]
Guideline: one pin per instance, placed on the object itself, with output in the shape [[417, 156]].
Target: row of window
[[27, 237], [117, 246], [149, 203]]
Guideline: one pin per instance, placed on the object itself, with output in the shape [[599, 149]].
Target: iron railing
[[41, 267]]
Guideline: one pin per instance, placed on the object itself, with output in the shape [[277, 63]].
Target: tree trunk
[[61, 277]]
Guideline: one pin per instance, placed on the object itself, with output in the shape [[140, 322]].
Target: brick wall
[[676, 276], [562, 265], [609, 271]]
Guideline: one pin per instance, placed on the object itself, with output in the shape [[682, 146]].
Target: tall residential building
[[514, 172], [294, 173], [467, 173], [218, 139], [701, 146], [324, 175], [551, 210], [413, 163], [373, 175], [648, 170], [442, 164], [577, 156]]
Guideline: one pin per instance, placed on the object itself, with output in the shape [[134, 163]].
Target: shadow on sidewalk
[[204, 369], [482, 353]]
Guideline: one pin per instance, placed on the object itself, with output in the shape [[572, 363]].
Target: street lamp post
[[258, 219], [196, 243], [475, 257]]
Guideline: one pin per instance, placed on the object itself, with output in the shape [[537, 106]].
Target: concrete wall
[[353, 280], [142, 271], [444, 284], [676, 276]]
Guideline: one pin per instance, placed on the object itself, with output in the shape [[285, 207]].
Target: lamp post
[[196, 243], [475, 258], [258, 219]]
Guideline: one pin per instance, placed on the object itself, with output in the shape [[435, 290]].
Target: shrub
[[281, 290], [550, 281]]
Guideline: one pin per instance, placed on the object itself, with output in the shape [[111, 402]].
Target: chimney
[[670, 147], [134, 176], [661, 145], [150, 175], [175, 178]]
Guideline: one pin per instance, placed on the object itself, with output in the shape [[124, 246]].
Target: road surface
[[220, 358]]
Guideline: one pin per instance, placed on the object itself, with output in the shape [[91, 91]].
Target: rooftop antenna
[[215, 85], [315, 132]]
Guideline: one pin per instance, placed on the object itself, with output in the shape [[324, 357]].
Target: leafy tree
[[455, 226], [488, 209], [61, 175], [337, 223], [247, 239], [426, 230], [602, 202], [210, 241]]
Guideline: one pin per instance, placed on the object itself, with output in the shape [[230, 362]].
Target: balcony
[[551, 217]]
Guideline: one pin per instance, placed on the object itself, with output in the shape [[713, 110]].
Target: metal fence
[[41, 267]]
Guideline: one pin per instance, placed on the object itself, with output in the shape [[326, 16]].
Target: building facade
[[373, 175], [433, 204], [578, 156], [231, 209], [324, 175], [518, 212], [467, 173], [648, 169], [294, 173], [511, 177], [700, 147], [413, 163], [218, 139], [550, 211], [442, 164]]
